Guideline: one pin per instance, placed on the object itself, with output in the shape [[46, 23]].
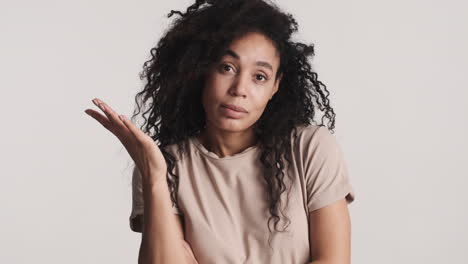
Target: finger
[[135, 134], [108, 111], [100, 118], [127, 138], [131, 127], [118, 129]]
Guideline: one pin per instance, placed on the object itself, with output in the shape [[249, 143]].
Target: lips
[[235, 108]]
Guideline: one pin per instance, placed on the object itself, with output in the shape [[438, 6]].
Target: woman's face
[[244, 77]]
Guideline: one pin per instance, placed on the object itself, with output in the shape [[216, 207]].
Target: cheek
[[214, 89], [257, 108], [260, 100], [211, 94]]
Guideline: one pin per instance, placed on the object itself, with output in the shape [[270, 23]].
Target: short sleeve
[[136, 214], [326, 173]]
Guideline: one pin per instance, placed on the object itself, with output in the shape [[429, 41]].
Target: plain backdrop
[[396, 71]]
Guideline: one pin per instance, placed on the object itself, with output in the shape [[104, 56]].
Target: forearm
[[160, 240]]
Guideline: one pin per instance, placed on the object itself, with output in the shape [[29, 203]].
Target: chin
[[232, 125]]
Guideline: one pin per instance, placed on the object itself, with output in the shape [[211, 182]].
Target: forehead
[[252, 48]]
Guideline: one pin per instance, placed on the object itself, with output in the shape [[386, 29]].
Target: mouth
[[228, 112], [234, 108]]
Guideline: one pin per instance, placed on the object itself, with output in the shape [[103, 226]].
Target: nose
[[240, 86]]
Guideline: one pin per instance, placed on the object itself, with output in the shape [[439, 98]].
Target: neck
[[225, 143]]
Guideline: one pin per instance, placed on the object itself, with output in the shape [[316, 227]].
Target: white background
[[396, 71]]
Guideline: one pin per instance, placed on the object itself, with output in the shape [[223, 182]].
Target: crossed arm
[[329, 235]]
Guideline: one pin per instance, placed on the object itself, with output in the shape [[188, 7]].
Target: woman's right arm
[[162, 236], [162, 233]]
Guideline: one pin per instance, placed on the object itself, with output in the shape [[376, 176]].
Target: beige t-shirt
[[224, 203]]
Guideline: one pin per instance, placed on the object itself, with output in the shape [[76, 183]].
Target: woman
[[232, 105]]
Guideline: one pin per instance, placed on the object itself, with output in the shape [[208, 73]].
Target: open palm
[[141, 147]]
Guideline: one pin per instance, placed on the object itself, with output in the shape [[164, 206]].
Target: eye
[[224, 67], [262, 76]]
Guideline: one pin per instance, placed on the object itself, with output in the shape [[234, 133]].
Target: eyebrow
[[259, 63]]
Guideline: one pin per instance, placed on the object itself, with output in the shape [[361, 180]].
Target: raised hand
[[141, 147]]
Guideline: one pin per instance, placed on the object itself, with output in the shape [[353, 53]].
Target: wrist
[[155, 182], [155, 187], [155, 176]]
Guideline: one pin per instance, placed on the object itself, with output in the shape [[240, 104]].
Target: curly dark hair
[[192, 43]]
